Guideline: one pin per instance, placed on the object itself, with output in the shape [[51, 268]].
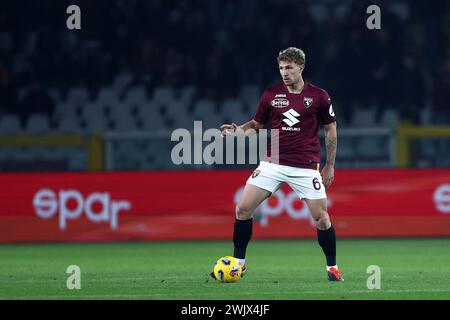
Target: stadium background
[[86, 116]]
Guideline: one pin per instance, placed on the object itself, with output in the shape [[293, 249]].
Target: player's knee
[[323, 221], [243, 213]]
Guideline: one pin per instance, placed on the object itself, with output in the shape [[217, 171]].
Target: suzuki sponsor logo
[[70, 205], [441, 198], [291, 119], [290, 129], [279, 203]]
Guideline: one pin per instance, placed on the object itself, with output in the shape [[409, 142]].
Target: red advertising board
[[200, 205]]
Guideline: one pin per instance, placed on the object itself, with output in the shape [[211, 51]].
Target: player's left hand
[[327, 174]]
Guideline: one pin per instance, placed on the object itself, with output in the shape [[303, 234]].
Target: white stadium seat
[[136, 95], [92, 110], [363, 117], [150, 117], [231, 106], [68, 125], [249, 93], [37, 124], [65, 110], [120, 115], [176, 109], [77, 96], [163, 95], [107, 96], [187, 94], [10, 124], [389, 118]]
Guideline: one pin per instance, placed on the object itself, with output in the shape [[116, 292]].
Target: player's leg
[[308, 185], [251, 197], [264, 181], [326, 235]]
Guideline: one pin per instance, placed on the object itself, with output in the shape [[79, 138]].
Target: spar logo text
[[70, 205]]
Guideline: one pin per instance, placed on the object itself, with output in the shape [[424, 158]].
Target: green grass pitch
[[279, 269]]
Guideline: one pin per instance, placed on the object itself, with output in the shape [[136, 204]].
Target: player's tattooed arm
[[331, 143], [327, 172]]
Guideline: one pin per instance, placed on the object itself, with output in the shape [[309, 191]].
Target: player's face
[[290, 72]]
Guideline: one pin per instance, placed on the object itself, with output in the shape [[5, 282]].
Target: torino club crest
[[307, 102]]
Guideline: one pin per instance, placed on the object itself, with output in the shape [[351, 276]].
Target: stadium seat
[[233, 110], [37, 124], [94, 117], [64, 110], [425, 116], [96, 124], [186, 94], [136, 95], [10, 125], [389, 118], [126, 123], [148, 109], [370, 148], [346, 149], [186, 122], [206, 111], [231, 106], [238, 118], [163, 95], [175, 109], [204, 107], [92, 110], [363, 117], [77, 96], [150, 118], [249, 93], [68, 125], [107, 96], [120, 115]]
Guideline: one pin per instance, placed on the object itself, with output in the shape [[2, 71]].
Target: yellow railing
[[406, 133], [93, 143]]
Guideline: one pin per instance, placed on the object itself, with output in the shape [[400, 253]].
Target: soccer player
[[295, 108]]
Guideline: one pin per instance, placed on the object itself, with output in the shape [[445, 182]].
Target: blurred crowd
[[220, 45]]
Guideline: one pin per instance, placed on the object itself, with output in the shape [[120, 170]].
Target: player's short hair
[[292, 54]]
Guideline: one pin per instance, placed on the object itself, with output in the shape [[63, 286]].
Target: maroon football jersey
[[297, 117]]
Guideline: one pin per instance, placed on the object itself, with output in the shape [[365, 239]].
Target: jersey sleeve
[[326, 112], [263, 110]]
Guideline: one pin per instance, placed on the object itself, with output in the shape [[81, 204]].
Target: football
[[227, 269]]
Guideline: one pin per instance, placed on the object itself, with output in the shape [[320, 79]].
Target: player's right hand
[[228, 129]]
